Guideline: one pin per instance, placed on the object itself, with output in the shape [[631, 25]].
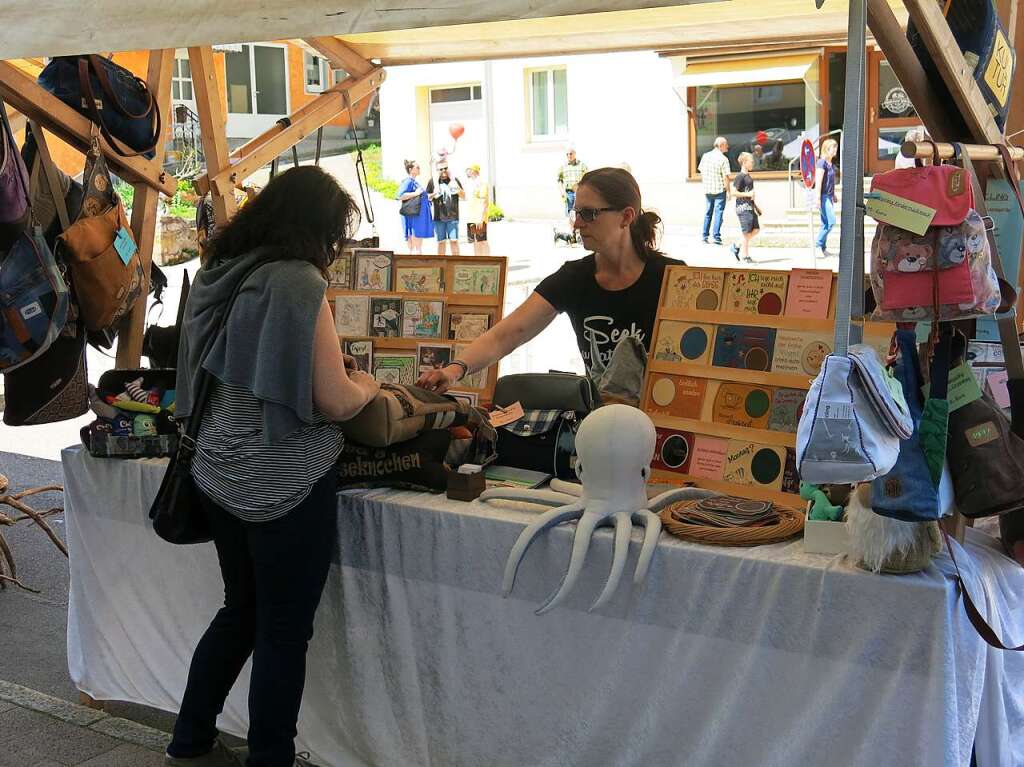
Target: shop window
[[893, 101], [459, 93], [181, 80], [315, 69], [549, 104]]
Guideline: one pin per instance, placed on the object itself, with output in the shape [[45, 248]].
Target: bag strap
[[360, 167], [985, 631], [98, 65], [89, 100], [50, 173], [182, 300], [1006, 322]]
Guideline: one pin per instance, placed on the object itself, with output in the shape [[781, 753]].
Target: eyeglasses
[[587, 214]]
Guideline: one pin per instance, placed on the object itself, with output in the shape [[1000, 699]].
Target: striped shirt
[[252, 480], [713, 169]]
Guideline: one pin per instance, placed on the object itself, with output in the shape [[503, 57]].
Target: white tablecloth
[[725, 657]]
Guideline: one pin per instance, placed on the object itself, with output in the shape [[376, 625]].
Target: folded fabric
[[122, 403], [99, 406]]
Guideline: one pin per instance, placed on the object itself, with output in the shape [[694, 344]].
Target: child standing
[[746, 209]]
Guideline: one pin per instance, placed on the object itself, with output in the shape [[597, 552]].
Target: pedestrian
[[477, 203], [916, 135], [445, 194], [415, 209], [264, 460], [714, 174], [746, 208], [825, 183], [569, 176]]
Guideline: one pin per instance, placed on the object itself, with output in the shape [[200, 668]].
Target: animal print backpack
[[947, 271]]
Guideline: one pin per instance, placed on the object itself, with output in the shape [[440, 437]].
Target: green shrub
[[494, 212], [126, 192], [375, 177]]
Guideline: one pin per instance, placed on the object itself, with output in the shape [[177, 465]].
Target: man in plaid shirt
[[714, 172], [569, 176]]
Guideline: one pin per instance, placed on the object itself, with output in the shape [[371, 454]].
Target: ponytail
[[644, 233]]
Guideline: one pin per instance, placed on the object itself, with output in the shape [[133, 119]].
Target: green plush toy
[[821, 509]]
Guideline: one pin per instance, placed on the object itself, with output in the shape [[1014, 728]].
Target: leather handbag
[[177, 511], [100, 248], [411, 207], [544, 439], [120, 104], [14, 207]]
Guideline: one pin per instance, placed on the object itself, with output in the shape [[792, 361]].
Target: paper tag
[[963, 388], [981, 434], [505, 415], [835, 411], [901, 212], [124, 245], [997, 389]]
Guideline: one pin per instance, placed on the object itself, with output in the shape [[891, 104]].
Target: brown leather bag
[[106, 286]]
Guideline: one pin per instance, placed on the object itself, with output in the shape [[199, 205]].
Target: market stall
[[764, 656]]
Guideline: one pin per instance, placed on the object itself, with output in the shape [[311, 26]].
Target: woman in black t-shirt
[[746, 209], [609, 294]]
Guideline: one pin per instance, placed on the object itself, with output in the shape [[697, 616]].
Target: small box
[[825, 537], [465, 487]]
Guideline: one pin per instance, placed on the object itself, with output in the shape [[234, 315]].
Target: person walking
[[746, 208], [477, 203], [445, 194], [569, 176], [714, 174], [825, 183], [264, 461], [415, 209]]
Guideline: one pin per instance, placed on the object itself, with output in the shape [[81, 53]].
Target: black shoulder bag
[[177, 512]]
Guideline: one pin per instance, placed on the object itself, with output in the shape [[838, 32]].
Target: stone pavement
[[38, 730]]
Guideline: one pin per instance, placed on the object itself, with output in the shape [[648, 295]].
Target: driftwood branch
[[8, 567]]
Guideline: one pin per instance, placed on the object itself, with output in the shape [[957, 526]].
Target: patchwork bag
[[113, 98]]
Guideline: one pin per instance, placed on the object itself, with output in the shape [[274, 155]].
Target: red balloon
[[455, 130]]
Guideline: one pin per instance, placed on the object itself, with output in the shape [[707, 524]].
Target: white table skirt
[[725, 657]]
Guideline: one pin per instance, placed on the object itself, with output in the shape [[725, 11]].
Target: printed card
[[683, 342], [810, 291], [352, 316], [690, 288], [470, 398], [749, 464], [373, 270], [755, 292], [386, 317], [433, 356], [790, 476], [341, 271], [673, 451], [708, 460], [742, 405], [478, 279], [395, 368], [676, 396], [463, 326], [363, 353], [800, 353], [746, 348], [787, 405], [476, 380], [419, 279], [422, 319], [995, 384]]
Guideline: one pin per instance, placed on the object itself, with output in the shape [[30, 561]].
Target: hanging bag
[[14, 205]]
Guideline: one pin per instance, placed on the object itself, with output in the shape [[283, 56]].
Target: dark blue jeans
[[714, 210], [274, 573], [828, 221], [570, 200]]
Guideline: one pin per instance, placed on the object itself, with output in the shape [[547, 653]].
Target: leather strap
[[50, 173], [1007, 321], [85, 83]]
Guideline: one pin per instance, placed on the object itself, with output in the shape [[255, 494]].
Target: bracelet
[[463, 365]]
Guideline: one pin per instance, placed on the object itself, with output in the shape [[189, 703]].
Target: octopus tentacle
[[652, 523], [623, 529], [580, 546], [542, 523], [569, 488], [659, 502], [541, 497]]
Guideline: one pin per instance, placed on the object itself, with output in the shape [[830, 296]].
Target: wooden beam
[[907, 67], [944, 50], [341, 56], [22, 93], [317, 113], [211, 127], [144, 216], [980, 152]]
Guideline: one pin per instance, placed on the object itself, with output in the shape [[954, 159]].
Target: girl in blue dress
[[420, 225]]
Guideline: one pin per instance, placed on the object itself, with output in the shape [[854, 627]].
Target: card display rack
[[733, 356], [417, 298]]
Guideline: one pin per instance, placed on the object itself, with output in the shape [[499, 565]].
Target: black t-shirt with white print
[[606, 315]]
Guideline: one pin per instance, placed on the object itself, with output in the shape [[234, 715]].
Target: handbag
[[106, 269], [126, 114], [411, 207], [398, 413], [160, 344], [177, 511], [544, 439], [14, 206]]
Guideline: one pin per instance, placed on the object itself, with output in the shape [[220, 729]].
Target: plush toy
[[822, 509], [885, 545], [144, 426]]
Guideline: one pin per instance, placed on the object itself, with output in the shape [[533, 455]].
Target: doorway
[[890, 115], [257, 88]]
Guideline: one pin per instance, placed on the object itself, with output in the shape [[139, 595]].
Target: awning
[[768, 69]]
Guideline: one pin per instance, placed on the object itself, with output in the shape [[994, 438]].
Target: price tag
[[125, 245], [505, 415], [835, 411]]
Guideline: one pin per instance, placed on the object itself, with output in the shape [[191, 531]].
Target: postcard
[[749, 464], [479, 279], [470, 398], [352, 315], [683, 342], [419, 279], [373, 270], [742, 405], [395, 368], [463, 326], [386, 317], [801, 353], [432, 356], [422, 319], [810, 291], [746, 348], [755, 292], [676, 396], [341, 271], [476, 380], [692, 288], [787, 405], [363, 353], [673, 450]]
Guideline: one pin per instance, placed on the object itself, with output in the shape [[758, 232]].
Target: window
[[315, 69], [239, 81], [549, 104], [460, 93], [181, 81]]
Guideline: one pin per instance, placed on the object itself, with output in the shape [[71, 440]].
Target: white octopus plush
[[614, 447]]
